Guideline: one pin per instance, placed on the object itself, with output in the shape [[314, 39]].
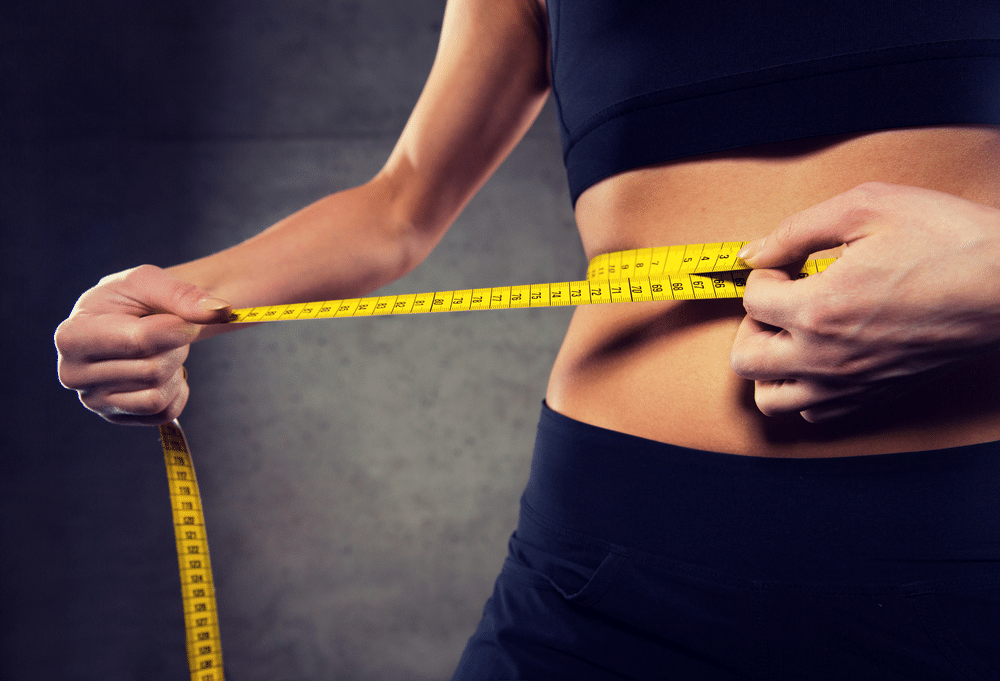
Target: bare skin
[[701, 375], [663, 371]]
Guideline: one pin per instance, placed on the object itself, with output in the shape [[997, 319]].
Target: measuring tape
[[698, 271], [201, 618], [692, 272]]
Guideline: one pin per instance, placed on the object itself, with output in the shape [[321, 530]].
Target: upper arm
[[489, 81]]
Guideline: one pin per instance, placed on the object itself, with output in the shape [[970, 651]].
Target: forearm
[[344, 245]]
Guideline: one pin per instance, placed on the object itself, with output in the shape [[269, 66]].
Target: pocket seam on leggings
[[636, 556], [947, 642], [591, 592], [602, 579], [524, 574]]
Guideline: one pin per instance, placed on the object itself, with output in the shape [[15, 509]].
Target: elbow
[[411, 224]]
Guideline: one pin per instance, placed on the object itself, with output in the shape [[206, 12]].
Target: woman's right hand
[[123, 346]]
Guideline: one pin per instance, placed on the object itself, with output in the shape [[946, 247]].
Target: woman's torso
[[661, 370]]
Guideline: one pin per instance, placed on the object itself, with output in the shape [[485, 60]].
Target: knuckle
[[738, 351], [867, 200], [136, 342], [874, 190], [182, 294], [812, 320], [149, 340], [159, 369], [137, 277], [751, 302], [67, 339], [745, 364], [144, 280], [754, 295], [167, 367], [116, 277], [828, 324], [787, 229], [736, 361], [822, 316], [62, 336], [155, 372], [69, 376], [152, 402], [93, 401], [177, 406]]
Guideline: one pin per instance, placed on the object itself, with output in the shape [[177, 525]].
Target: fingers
[[831, 411], [752, 354], [836, 221], [154, 406], [814, 401], [145, 391], [122, 375], [787, 378], [92, 338], [770, 297], [786, 374], [793, 326], [100, 350]]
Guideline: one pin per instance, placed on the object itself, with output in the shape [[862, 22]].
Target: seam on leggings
[[956, 584], [637, 555], [945, 642], [640, 556], [761, 647]]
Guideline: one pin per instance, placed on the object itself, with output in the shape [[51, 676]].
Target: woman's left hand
[[915, 291]]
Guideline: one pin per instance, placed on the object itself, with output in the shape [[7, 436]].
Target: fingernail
[[212, 304], [748, 252]]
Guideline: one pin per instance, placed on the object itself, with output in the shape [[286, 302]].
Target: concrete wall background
[[360, 477]]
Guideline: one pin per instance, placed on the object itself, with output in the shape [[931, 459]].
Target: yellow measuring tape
[[201, 618], [698, 271], [692, 272]]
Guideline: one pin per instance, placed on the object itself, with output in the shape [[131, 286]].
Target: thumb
[[829, 224], [147, 289]]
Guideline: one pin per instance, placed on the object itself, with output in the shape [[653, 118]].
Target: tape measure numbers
[[693, 272], [201, 619], [698, 271]]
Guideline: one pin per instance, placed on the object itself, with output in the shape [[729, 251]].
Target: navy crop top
[[639, 82]]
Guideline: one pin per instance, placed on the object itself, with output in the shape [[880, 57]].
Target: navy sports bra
[[639, 82]]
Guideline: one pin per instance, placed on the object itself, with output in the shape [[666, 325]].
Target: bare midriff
[[661, 370]]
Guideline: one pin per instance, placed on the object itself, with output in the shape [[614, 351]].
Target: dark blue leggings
[[634, 559]]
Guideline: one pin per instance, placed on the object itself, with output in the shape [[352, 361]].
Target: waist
[[875, 517], [661, 370]]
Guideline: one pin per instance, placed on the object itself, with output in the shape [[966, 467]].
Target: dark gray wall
[[360, 477]]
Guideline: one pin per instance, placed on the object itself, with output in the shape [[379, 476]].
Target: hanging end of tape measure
[[201, 621], [172, 437]]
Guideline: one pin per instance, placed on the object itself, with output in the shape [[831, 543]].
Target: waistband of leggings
[[914, 515]]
